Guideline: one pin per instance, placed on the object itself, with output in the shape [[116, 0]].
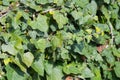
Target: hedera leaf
[[92, 7], [117, 39], [56, 42], [14, 73], [7, 60], [18, 62], [55, 70], [76, 14], [87, 73], [38, 64], [77, 27], [28, 58], [117, 69], [74, 68], [9, 48], [107, 1], [16, 41], [40, 23], [60, 19], [41, 44], [117, 24], [42, 1]]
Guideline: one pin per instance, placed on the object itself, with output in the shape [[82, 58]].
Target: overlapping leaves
[[42, 38]]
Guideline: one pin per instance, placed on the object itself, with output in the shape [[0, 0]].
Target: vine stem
[[111, 31]]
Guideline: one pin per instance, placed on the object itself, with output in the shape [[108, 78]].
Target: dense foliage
[[50, 39]]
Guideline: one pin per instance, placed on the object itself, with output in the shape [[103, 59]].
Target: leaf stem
[[111, 31]]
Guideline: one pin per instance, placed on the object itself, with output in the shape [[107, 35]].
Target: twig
[[5, 12]]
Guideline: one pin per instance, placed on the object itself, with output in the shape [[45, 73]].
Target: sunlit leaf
[[28, 58], [7, 60], [9, 48]]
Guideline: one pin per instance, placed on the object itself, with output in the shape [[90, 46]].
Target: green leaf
[[97, 75], [117, 69], [56, 70], [59, 2], [84, 19], [14, 73], [116, 52], [32, 34], [40, 23], [42, 1], [64, 53], [109, 56], [56, 42], [117, 39], [76, 14], [117, 26], [3, 56], [87, 73], [48, 67], [105, 12], [103, 27], [92, 7], [78, 47], [6, 36], [81, 3], [107, 1], [28, 58], [18, 62], [60, 19], [16, 40], [9, 48], [74, 68], [38, 64], [41, 44]]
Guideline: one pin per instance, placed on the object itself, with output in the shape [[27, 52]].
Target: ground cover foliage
[[58, 39]]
